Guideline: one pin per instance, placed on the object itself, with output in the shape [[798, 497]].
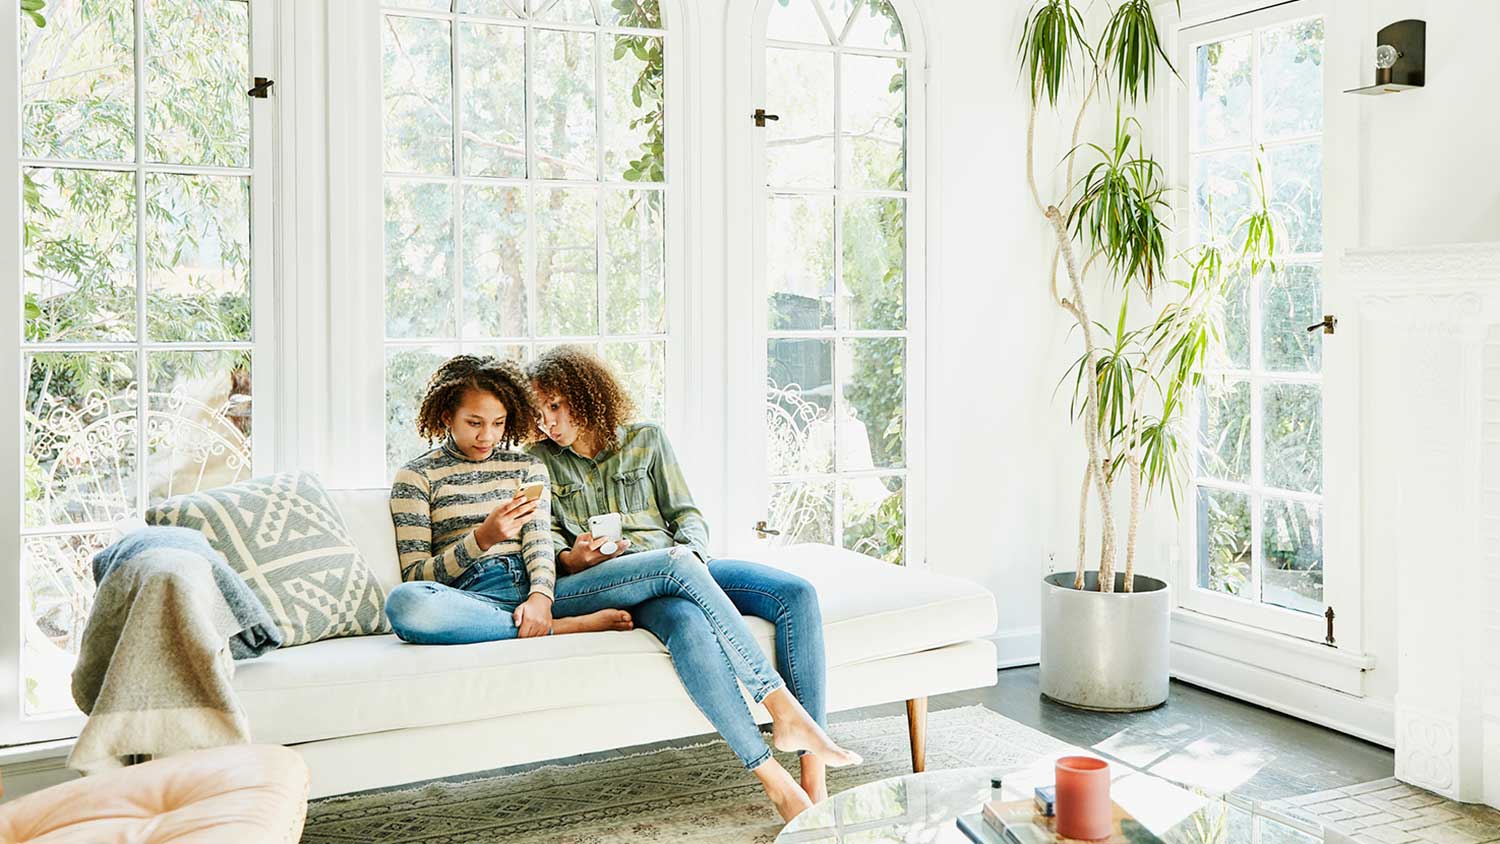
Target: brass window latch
[[1328, 324], [765, 530], [760, 117], [261, 89], [1329, 641]]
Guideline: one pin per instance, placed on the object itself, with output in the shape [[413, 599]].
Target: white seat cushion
[[341, 687]]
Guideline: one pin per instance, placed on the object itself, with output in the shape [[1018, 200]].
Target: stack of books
[[1026, 822]]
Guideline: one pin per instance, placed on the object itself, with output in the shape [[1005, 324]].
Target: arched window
[[839, 259], [526, 189]]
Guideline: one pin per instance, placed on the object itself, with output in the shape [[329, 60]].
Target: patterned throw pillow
[[286, 538]]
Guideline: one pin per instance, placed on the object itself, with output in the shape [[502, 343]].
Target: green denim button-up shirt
[[639, 478]]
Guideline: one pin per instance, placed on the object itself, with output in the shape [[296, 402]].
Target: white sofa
[[373, 711]]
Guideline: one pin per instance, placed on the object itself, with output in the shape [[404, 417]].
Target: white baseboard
[[1367, 718], [1021, 646], [24, 777]]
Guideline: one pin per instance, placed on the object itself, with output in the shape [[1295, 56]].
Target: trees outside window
[[136, 172], [1255, 106], [836, 201], [526, 190]]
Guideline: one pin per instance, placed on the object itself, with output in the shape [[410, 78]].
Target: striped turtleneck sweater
[[440, 498]]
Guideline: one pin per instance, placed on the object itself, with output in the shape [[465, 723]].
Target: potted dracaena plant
[[1105, 632]]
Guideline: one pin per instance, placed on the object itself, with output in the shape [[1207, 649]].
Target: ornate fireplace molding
[[1430, 402]]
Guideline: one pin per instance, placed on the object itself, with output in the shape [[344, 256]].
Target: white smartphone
[[606, 526]]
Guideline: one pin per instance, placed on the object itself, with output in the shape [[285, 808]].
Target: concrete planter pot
[[1105, 651]]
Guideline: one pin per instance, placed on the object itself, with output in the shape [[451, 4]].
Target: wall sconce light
[[1400, 59]]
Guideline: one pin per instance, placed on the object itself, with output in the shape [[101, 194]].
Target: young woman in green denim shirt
[[601, 463]]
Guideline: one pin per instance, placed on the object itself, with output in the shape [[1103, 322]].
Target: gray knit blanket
[[157, 655]]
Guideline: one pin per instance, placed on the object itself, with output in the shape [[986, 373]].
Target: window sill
[[43, 750], [1295, 658]]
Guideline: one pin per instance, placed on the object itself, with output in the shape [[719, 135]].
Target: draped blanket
[[158, 651]]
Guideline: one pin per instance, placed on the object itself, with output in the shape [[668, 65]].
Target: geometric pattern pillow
[[286, 538]]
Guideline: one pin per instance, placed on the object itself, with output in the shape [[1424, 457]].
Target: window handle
[[262, 88], [1328, 324], [765, 530], [760, 117]]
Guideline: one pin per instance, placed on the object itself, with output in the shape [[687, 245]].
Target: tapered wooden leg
[[916, 724]]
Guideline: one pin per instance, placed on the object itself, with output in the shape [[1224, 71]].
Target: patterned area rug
[[691, 795]]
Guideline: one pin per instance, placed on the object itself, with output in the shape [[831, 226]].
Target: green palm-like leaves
[[1130, 48], [1052, 35], [1259, 227], [1121, 208]]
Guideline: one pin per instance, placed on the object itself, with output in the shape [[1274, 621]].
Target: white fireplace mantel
[[1430, 423]]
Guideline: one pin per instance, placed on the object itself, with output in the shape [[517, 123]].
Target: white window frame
[[366, 328], [748, 493], [15, 726], [1208, 22]]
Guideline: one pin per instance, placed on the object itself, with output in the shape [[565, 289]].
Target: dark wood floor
[[1198, 738]]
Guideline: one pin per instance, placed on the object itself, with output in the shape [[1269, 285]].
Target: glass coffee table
[[924, 809]]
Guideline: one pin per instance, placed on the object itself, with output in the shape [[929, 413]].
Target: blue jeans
[[478, 606], [784, 599]]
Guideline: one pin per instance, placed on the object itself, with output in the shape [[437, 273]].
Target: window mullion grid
[[601, 325], [533, 327], [456, 270], [141, 379], [520, 21], [1257, 364], [873, 52], [840, 197]]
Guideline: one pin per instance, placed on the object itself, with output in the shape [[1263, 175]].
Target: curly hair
[[500, 378], [587, 385]]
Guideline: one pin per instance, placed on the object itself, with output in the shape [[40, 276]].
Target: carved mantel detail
[[1430, 410]]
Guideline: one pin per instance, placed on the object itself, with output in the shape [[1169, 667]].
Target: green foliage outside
[[79, 229], [874, 280], [80, 281]]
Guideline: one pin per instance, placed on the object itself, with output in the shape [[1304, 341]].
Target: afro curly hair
[[501, 378], [595, 399]]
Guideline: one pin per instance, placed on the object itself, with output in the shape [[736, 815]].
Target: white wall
[[1426, 175], [1427, 158], [995, 338]]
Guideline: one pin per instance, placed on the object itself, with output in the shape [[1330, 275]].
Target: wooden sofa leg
[[916, 723]]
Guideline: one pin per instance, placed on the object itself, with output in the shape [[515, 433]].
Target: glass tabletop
[[923, 809]]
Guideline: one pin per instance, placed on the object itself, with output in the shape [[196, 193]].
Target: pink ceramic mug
[[1083, 808]]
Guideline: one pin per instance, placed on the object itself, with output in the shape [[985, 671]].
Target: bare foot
[[793, 729], [786, 795], [593, 622], [814, 777]]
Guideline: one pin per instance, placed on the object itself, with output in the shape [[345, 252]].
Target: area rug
[[688, 795]]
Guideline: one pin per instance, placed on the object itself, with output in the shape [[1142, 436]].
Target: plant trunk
[[1135, 521], [1083, 523], [1091, 422]]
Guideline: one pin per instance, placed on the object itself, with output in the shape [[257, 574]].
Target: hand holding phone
[[608, 528]]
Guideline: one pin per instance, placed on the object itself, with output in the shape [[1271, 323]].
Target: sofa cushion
[[871, 610], [367, 513], [284, 535]]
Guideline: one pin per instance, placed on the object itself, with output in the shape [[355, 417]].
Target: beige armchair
[[245, 794]]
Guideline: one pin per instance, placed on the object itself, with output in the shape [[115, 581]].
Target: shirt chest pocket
[[633, 490], [568, 505]]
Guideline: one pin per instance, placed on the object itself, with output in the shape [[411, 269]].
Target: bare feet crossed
[[593, 622]]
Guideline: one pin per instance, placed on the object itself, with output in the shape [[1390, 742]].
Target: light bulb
[[1385, 56]]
